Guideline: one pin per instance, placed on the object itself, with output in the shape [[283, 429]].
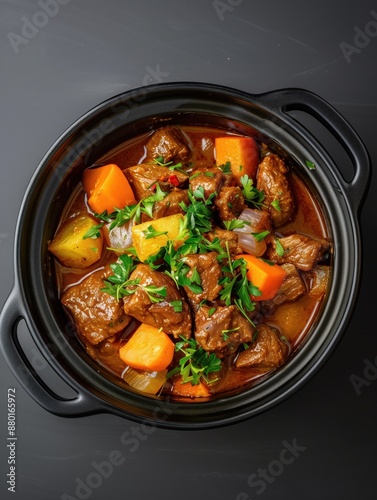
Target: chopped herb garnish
[[251, 193], [261, 236], [225, 333], [310, 165], [102, 216], [177, 305], [226, 168], [121, 216], [276, 205], [94, 232], [237, 289], [235, 224], [119, 285], [150, 232], [193, 176], [196, 363], [161, 162], [279, 247], [199, 211], [211, 311]]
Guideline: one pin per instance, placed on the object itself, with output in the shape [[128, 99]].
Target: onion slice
[[148, 382], [119, 238], [246, 239]]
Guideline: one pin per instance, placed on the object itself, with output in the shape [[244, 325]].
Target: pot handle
[[295, 99], [83, 404]]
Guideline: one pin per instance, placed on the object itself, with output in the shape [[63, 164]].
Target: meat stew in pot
[[192, 261]]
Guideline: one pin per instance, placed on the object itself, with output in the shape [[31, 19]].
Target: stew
[[192, 261]]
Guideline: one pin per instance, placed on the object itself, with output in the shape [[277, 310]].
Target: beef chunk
[[230, 179], [159, 314], [170, 143], [261, 222], [319, 280], [226, 238], [266, 352], [145, 176], [230, 203], [170, 204], [223, 331], [292, 288], [209, 270], [272, 179], [210, 179], [301, 250], [97, 314]]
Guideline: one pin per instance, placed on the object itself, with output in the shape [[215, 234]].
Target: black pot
[[34, 295]]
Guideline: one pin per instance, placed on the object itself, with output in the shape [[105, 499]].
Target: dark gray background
[[91, 50]]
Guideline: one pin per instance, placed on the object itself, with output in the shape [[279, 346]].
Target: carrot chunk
[[266, 276], [107, 188], [241, 152], [191, 391], [148, 349]]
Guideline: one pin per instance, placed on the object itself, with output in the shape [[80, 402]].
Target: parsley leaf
[[279, 247], [177, 305], [199, 212], [119, 285], [261, 236], [196, 363], [276, 205], [161, 162], [310, 165], [237, 289], [150, 232], [251, 193], [94, 232], [235, 224], [226, 168]]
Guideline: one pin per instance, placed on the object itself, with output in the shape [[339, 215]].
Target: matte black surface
[[77, 55]]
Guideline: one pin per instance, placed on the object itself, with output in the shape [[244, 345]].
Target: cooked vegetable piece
[[107, 188], [241, 152], [119, 238], [149, 237], [180, 388], [148, 349], [252, 234], [148, 382], [268, 277], [71, 248]]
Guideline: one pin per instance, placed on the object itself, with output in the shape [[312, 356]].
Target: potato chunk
[[70, 247], [164, 229]]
